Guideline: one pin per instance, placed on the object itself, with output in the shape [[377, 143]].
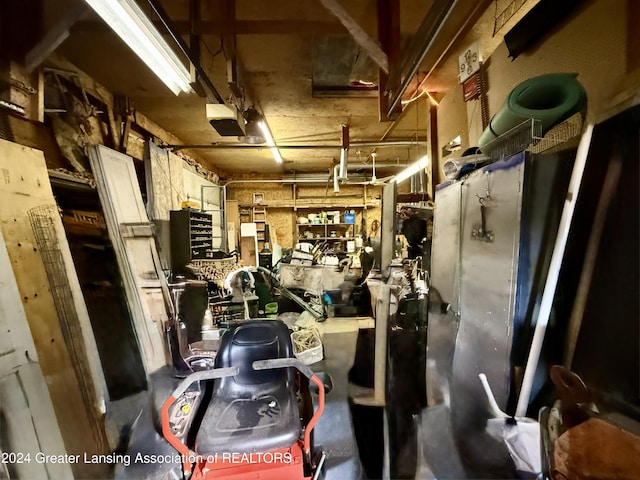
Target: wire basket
[[43, 224], [528, 136]]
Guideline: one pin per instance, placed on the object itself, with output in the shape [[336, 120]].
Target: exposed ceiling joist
[[54, 37], [194, 44], [362, 38], [304, 146], [234, 69], [229, 37]]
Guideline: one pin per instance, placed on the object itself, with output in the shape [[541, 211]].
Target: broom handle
[[554, 271]]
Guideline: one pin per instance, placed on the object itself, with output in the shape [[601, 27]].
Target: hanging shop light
[[131, 24]]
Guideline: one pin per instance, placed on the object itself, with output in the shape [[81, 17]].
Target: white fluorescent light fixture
[[411, 170], [272, 144], [131, 24], [343, 163], [336, 183]]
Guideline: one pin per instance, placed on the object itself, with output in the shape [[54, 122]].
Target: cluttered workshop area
[[319, 239]]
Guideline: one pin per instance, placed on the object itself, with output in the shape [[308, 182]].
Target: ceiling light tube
[[411, 170], [336, 182], [130, 23], [269, 138]]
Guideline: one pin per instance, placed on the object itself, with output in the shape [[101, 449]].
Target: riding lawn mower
[[247, 414]]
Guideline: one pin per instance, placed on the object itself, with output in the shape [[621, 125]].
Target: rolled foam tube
[[549, 98]]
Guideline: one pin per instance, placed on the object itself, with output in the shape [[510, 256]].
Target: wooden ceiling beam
[[361, 37], [229, 36], [234, 69], [195, 9], [54, 37]]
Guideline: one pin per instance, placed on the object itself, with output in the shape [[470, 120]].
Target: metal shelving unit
[[191, 236]]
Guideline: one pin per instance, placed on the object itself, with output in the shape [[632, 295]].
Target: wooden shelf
[[313, 204], [325, 224], [326, 238]]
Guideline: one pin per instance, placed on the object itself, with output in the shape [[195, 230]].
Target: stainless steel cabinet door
[[488, 277]]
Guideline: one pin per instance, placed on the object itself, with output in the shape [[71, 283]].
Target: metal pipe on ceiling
[[318, 178], [427, 34], [379, 144], [282, 180], [371, 166], [232, 146], [465, 26]]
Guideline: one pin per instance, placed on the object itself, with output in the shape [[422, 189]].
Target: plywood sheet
[[232, 215], [165, 182], [249, 251], [24, 184], [35, 428]]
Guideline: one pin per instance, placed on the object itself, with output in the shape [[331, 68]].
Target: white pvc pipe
[[554, 271], [493, 405]]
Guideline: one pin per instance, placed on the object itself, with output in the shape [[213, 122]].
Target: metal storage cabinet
[[489, 277], [191, 237]]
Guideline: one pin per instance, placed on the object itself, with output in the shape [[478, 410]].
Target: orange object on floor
[[596, 450]]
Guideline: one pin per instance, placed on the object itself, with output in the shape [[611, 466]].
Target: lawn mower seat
[[253, 411]]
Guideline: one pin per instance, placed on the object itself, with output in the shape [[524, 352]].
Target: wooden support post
[[389, 36], [124, 138], [387, 228], [434, 148]]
